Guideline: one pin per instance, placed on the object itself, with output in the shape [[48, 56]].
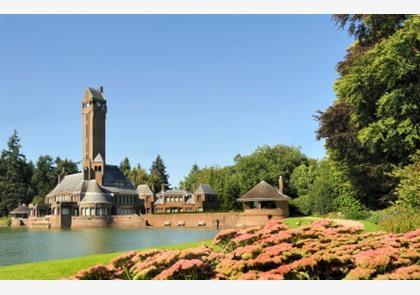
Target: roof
[[114, 182], [144, 189], [94, 193], [204, 188], [172, 192], [159, 201], [263, 192], [93, 93], [21, 209], [98, 158], [190, 200]]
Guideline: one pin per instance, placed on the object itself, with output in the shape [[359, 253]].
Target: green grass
[[62, 268]]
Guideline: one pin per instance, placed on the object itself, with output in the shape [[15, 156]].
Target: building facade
[[178, 201], [101, 189]]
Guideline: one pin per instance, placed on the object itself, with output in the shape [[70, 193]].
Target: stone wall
[[223, 219], [90, 221], [128, 221], [18, 222], [39, 222]]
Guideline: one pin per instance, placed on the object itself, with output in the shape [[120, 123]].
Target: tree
[[125, 167], [268, 163], [64, 167], [44, 177], [14, 177], [373, 125], [408, 189], [303, 177], [158, 175], [138, 175]]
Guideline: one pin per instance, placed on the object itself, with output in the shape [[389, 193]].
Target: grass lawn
[[61, 268]]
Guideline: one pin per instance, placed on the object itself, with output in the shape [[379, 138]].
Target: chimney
[[162, 187], [281, 184], [101, 89]]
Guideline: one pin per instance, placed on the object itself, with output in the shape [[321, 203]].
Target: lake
[[29, 245]]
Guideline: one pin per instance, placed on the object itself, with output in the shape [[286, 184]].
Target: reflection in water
[[28, 245]]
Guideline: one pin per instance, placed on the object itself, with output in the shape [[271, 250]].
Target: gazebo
[[22, 211], [265, 196]]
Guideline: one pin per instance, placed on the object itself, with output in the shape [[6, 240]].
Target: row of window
[[177, 210], [94, 212], [65, 198], [125, 199]]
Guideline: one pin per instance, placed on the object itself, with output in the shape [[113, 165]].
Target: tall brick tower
[[94, 115]]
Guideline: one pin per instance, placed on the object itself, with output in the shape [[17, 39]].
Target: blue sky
[[192, 88]]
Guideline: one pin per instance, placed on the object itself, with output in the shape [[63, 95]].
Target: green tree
[[15, 176], [158, 175], [303, 177], [138, 175], [65, 167], [268, 163], [408, 189], [125, 167], [44, 177], [373, 125]]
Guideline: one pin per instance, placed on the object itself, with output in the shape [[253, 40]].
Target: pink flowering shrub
[[321, 250]]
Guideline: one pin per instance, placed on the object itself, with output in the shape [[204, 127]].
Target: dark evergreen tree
[[158, 175], [15, 176], [125, 167], [44, 178]]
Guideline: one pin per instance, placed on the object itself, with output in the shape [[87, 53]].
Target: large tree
[[373, 126], [44, 177], [15, 175], [158, 175]]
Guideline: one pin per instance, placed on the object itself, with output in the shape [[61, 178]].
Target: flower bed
[[321, 250]]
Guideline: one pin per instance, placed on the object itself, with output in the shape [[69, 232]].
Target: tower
[[93, 116]]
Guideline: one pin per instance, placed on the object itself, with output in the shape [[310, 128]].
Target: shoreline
[[56, 269]]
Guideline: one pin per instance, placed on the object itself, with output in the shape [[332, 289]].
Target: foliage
[[408, 190], [158, 175], [230, 182], [43, 180], [373, 125], [15, 175], [321, 250], [5, 221], [322, 189], [396, 219]]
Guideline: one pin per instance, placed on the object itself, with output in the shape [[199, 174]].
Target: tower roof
[[96, 94]]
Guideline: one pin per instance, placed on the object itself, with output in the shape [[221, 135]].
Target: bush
[[350, 207], [303, 204], [396, 219], [5, 221]]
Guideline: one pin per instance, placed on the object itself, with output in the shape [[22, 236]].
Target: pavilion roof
[[263, 192]]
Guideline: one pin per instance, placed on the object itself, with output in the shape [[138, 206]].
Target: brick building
[[176, 201], [100, 189]]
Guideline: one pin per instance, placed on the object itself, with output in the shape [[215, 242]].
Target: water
[[29, 245]]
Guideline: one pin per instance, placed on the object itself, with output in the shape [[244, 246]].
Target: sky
[[192, 88]]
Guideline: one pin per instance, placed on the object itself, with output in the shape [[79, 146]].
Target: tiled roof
[[21, 209], [204, 188], [263, 192], [144, 189], [114, 182]]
